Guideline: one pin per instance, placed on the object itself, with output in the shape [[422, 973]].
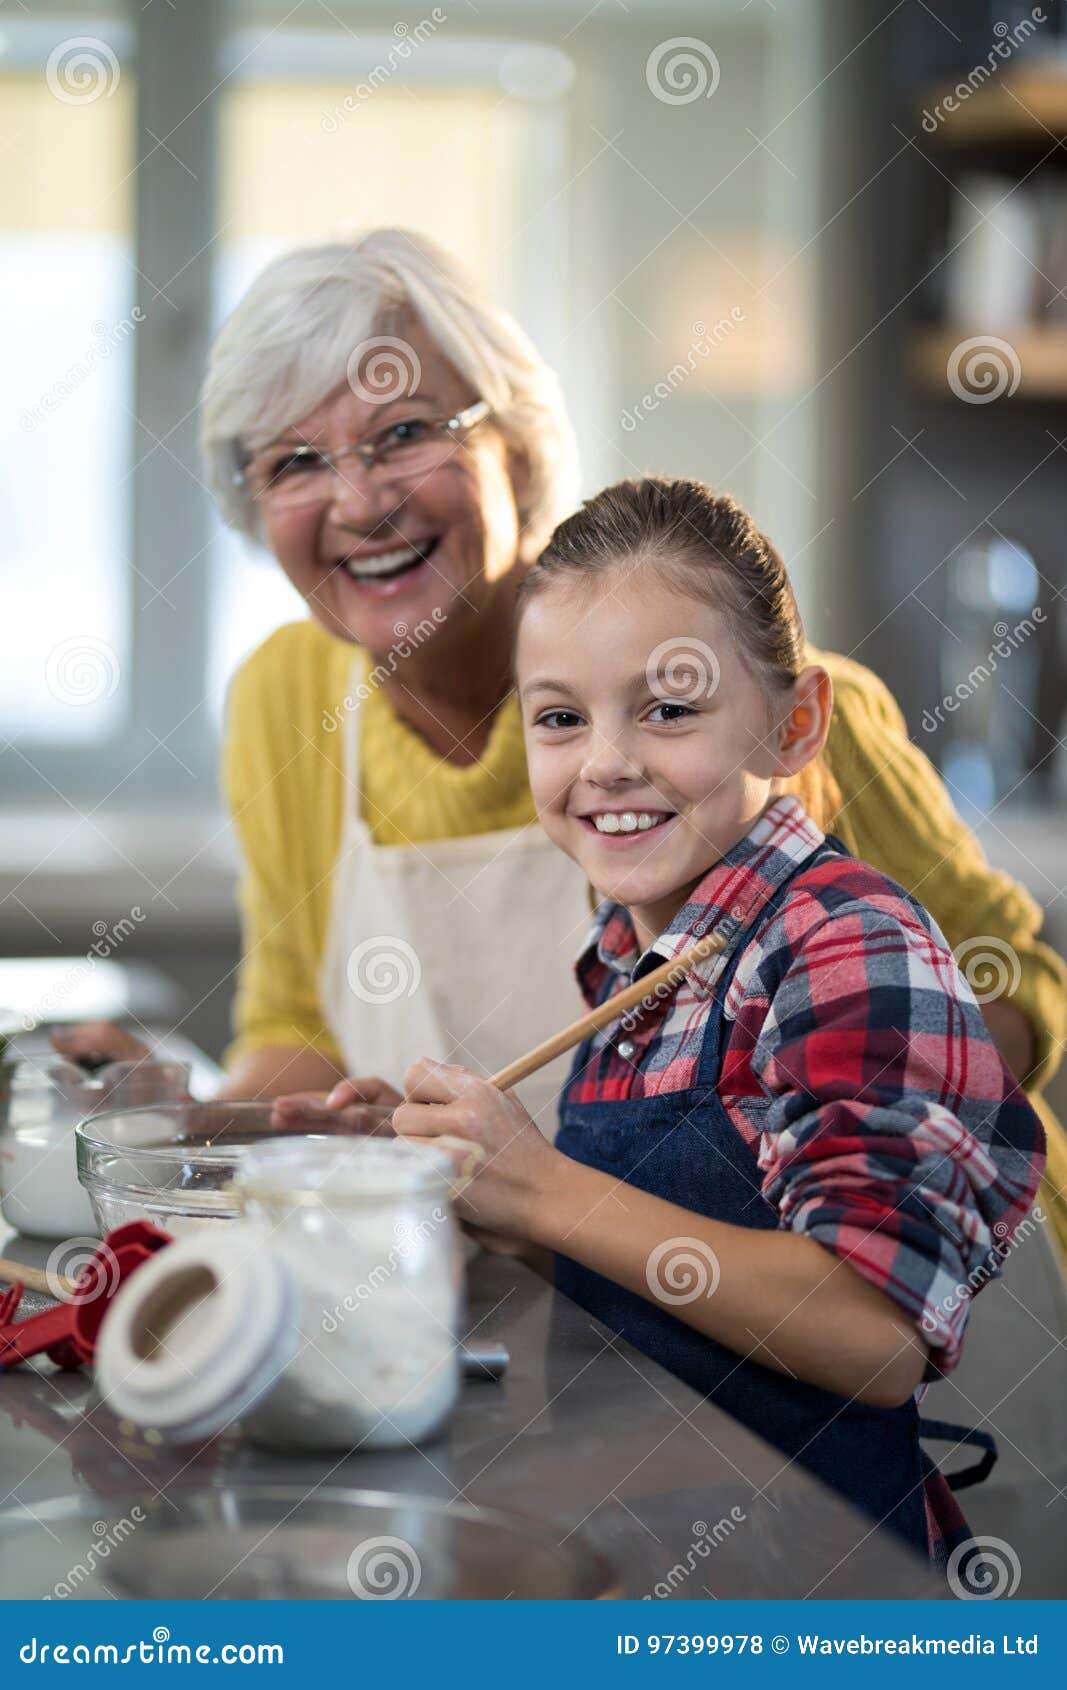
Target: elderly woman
[[397, 443]]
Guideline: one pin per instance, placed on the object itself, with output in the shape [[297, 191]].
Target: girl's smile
[[626, 827]]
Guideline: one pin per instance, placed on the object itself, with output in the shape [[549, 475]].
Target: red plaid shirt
[[856, 1066]]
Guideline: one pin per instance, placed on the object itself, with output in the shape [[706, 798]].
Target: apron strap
[[943, 1431], [350, 730], [740, 932]]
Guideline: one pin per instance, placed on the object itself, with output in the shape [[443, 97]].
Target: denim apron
[[684, 1148]]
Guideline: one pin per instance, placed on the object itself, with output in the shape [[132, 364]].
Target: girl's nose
[[609, 763]]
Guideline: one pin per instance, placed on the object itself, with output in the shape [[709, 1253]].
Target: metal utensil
[[484, 1358]]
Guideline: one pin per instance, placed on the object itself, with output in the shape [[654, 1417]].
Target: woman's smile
[[388, 571], [383, 563]]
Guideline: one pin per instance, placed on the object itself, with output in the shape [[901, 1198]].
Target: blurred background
[[813, 253]]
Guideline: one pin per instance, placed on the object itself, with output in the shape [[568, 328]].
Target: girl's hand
[[518, 1164], [353, 1106]]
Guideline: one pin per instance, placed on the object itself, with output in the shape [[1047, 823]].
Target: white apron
[[458, 949]]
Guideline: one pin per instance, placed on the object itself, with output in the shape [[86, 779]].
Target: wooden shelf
[[1021, 105], [1040, 359]]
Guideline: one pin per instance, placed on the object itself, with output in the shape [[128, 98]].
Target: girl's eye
[[669, 710], [558, 719]]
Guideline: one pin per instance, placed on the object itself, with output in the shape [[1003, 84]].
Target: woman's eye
[[295, 463], [405, 433], [669, 710], [559, 719]]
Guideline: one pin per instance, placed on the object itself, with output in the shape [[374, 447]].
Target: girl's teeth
[[625, 821]]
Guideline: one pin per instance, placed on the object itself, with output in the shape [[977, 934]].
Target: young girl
[[780, 1180]]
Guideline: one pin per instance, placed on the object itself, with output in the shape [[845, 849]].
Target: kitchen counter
[[583, 1433]]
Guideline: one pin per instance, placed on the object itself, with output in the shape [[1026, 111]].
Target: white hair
[[288, 344]]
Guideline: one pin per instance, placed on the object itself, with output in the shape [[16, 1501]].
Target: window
[[122, 252], [67, 300]]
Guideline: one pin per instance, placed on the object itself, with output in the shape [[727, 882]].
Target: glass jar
[[326, 1318], [366, 1229], [41, 1103]]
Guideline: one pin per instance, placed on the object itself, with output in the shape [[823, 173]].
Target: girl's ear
[[801, 733]]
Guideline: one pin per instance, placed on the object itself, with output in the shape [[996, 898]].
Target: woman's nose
[[359, 499]]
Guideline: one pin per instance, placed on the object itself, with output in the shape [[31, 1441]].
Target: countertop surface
[[583, 1434]]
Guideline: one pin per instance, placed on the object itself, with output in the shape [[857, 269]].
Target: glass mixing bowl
[[172, 1164]]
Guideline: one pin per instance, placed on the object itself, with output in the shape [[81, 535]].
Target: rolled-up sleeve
[[893, 1133]]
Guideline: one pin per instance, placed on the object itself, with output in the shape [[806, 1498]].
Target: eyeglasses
[[285, 476]]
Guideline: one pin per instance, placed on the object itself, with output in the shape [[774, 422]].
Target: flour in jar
[[377, 1361]]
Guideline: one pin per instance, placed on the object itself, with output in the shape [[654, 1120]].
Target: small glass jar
[[366, 1229], [41, 1103]]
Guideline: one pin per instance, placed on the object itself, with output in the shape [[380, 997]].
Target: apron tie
[[943, 1431]]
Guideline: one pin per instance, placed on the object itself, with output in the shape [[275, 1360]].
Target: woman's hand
[[518, 1163], [94, 1043], [353, 1106]]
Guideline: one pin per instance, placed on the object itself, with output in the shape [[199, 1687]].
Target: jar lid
[[199, 1334], [340, 1169]]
